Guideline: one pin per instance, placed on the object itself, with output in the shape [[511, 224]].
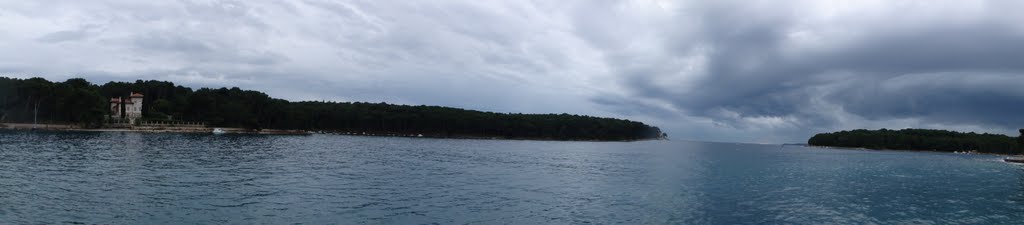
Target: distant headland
[[922, 140], [161, 106]]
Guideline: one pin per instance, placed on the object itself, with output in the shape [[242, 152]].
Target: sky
[[775, 71]]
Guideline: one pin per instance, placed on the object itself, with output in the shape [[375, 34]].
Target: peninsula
[[922, 140], [77, 103]]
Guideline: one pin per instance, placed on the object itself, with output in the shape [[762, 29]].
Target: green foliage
[[1020, 139], [78, 101], [920, 139], [73, 101]]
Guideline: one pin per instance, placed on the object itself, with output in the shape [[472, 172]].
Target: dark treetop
[[920, 139], [79, 102]]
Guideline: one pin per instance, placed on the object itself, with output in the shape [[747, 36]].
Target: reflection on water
[[133, 178]]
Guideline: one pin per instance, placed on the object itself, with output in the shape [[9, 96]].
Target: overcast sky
[[748, 71]]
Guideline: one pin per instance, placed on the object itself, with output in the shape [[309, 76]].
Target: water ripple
[[133, 178]]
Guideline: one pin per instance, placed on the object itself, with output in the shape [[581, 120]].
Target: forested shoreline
[[921, 140], [77, 101]]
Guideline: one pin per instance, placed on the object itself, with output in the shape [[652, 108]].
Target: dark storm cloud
[[966, 98], [896, 67]]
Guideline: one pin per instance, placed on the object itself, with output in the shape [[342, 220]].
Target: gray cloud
[[65, 35], [757, 71], [774, 69], [170, 42]]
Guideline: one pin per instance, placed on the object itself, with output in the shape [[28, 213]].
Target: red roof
[[136, 94], [115, 100]]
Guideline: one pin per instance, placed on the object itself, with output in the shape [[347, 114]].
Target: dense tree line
[[77, 101], [921, 139], [72, 101]]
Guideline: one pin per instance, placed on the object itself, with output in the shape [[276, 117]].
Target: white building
[[132, 107]]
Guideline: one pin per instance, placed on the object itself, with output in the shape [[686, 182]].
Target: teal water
[[133, 178]]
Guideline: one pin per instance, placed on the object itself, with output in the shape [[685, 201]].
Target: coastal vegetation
[[921, 139], [76, 101]]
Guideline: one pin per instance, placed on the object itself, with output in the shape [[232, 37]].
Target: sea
[[161, 178]]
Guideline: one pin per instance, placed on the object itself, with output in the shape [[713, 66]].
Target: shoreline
[[209, 130], [910, 150], [145, 129]]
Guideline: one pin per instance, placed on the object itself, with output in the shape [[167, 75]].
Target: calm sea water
[[133, 178]]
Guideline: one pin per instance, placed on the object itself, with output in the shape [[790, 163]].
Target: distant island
[[921, 140], [80, 104]]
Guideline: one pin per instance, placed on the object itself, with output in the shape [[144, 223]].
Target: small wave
[[233, 205]]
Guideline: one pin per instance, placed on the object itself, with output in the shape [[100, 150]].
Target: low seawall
[[29, 126], [147, 129]]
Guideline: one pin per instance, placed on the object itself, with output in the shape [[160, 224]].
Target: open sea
[[145, 178]]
